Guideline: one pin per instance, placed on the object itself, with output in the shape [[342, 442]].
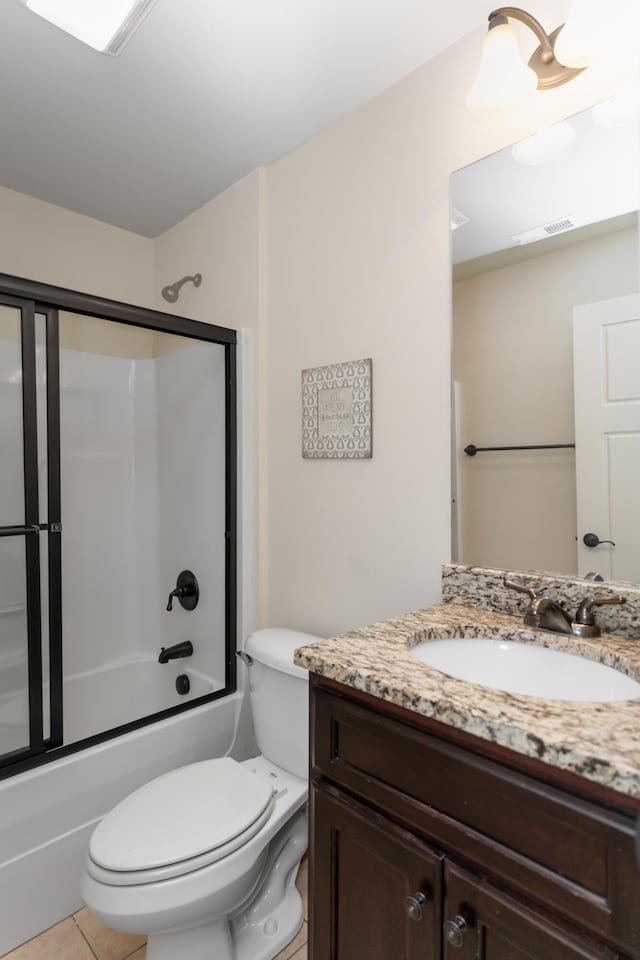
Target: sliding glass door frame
[[36, 298], [54, 525], [29, 528]]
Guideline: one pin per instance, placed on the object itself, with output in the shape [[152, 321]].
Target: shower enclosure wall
[[117, 472]]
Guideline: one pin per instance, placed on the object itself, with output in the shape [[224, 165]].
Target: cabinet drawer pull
[[413, 906], [454, 931]]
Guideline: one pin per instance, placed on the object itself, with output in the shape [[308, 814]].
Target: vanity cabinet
[[421, 847]]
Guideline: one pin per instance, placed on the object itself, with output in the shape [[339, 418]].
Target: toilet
[[203, 859]]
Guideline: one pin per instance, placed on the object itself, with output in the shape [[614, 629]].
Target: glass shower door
[[20, 625]]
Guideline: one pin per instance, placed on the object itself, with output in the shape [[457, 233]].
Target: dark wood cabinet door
[[364, 871], [483, 923]]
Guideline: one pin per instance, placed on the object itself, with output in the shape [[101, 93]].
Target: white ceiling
[[205, 92]]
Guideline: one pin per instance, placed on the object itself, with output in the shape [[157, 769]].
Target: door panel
[[11, 418], [365, 868], [20, 622], [14, 664], [607, 412]]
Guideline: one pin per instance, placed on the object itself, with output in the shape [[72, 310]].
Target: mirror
[[545, 250]]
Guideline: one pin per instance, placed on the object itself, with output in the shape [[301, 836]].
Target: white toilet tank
[[279, 692]]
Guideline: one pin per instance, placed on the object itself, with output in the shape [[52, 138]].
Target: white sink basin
[[525, 668]]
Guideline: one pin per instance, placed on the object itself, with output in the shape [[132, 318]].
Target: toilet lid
[[181, 815]]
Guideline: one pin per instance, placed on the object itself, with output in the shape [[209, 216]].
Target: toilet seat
[[180, 822]]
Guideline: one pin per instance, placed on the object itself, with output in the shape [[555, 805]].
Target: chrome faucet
[[545, 613]]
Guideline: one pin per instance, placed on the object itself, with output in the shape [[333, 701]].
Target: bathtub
[[102, 699], [47, 814]]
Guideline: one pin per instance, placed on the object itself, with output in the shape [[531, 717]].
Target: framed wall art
[[336, 411]]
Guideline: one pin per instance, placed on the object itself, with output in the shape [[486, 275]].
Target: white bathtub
[[48, 813], [100, 700]]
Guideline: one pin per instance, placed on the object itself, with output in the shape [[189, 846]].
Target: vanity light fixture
[[172, 291], [577, 42], [503, 78], [105, 25]]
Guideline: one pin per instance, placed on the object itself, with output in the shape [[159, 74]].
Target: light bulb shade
[[104, 25], [577, 43], [503, 78], [545, 145], [593, 32]]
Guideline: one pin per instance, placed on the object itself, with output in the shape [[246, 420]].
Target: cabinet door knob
[[413, 906], [454, 931]]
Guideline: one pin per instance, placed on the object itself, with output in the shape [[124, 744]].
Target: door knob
[[593, 540], [454, 931], [413, 906]]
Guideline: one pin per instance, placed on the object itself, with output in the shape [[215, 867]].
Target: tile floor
[[83, 937]]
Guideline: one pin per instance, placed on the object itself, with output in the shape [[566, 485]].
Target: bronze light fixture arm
[[550, 72], [516, 13]]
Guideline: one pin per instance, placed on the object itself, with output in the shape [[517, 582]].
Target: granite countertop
[[598, 741]]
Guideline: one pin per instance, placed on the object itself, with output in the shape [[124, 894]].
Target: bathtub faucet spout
[[184, 649]]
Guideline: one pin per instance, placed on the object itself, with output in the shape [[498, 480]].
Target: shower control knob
[[413, 906], [186, 591]]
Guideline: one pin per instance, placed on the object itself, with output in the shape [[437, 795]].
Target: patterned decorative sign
[[336, 411]]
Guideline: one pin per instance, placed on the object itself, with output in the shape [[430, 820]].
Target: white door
[[606, 357]]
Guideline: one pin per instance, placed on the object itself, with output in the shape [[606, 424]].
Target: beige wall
[[358, 266], [349, 221], [513, 359], [223, 242], [42, 242], [341, 252]]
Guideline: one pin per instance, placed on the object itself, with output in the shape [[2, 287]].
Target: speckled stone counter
[[484, 587], [598, 741]]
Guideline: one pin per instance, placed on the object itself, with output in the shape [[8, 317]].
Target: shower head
[[172, 291]]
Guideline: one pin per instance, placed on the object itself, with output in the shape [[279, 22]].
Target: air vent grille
[[457, 219], [546, 230], [558, 227]]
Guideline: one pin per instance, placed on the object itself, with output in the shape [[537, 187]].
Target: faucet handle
[[531, 592], [178, 592], [585, 610], [186, 591]]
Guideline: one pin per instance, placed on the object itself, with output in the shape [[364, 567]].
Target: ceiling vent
[[457, 219], [546, 230]]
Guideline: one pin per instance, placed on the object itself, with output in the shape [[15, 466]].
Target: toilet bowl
[[203, 859]]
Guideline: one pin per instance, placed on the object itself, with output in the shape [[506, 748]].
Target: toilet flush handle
[[246, 659]]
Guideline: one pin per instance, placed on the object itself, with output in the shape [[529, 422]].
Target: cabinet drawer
[[484, 923], [572, 855]]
